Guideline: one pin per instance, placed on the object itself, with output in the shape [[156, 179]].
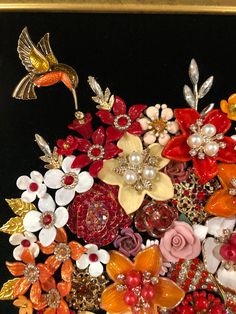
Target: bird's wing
[[25, 89], [31, 57], [45, 47]]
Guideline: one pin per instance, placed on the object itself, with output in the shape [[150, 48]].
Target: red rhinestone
[[210, 287], [187, 282], [204, 274], [122, 121], [193, 267], [201, 195], [191, 274], [96, 152], [47, 219], [68, 180], [25, 243], [33, 187], [93, 257], [186, 193]]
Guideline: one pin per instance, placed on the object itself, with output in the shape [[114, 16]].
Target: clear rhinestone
[[193, 152], [201, 155], [120, 288]]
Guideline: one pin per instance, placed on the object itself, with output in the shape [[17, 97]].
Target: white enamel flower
[[94, 258], [46, 220], [23, 241], [32, 185], [68, 181]]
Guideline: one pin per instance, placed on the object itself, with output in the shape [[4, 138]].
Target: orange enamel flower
[[138, 287], [223, 202], [62, 252], [33, 275], [229, 107], [24, 305]]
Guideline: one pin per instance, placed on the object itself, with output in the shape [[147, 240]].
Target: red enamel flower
[[96, 215], [68, 146], [82, 126], [96, 151], [202, 141], [121, 121]]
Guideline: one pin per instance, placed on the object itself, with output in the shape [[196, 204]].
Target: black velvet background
[[142, 58]]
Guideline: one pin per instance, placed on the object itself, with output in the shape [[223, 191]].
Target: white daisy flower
[[67, 181], [47, 220], [32, 185], [94, 258], [23, 241]]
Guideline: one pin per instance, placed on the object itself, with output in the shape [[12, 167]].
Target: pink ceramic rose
[[180, 242]]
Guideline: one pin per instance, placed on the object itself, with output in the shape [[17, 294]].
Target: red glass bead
[[186, 309], [201, 303], [25, 243], [96, 152], [93, 257], [191, 274], [216, 309], [68, 180], [122, 121], [201, 195], [33, 187], [130, 298], [148, 292], [133, 279], [47, 219], [204, 274]]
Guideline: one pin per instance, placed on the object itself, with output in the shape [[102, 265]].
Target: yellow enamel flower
[[136, 172], [24, 305]]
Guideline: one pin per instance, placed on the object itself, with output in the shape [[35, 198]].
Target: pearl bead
[[149, 173], [135, 158], [211, 149], [130, 177], [208, 130], [195, 140]]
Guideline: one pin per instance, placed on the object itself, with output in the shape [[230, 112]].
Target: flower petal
[[16, 238], [64, 196], [228, 154], [103, 256], [17, 252], [42, 190], [216, 225], [83, 261], [28, 196], [62, 217], [34, 248], [61, 235], [63, 308], [162, 188], [52, 263], [111, 150], [98, 136], [119, 106], [66, 270], [31, 221], [48, 284], [205, 169], [92, 248], [16, 269], [186, 117], [135, 111], [36, 176], [130, 199], [83, 145], [219, 120], [35, 293], [85, 182], [226, 278], [95, 167], [27, 257], [149, 260], [113, 134], [67, 162], [225, 173], [221, 203], [23, 182], [130, 143], [118, 264], [177, 149], [30, 236], [107, 173], [46, 203], [64, 288], [21, 287], [156, 150], [53, 177], [112, 301], [224, 106], [211, 262], [47, 249], [44, 273], [168, 294], [105, 116], [135, 128], [76, 250], [81, 161], [47, 236], [95, 269]]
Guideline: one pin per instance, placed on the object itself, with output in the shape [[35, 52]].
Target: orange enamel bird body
[[43, 68]]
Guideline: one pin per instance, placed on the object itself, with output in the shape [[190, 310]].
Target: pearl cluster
[[138, 170], [204, 140]]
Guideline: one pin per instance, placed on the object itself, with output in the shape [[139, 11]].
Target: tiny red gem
[[25, 243], [47, 219], [122, 121], [201, 195], [201, 304], [33, 187], [133, 279], [148, 292], [68, 180], [130, 298], [93, 257], [96, 152]]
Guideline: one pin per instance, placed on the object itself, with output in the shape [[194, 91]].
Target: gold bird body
[[43, 68]]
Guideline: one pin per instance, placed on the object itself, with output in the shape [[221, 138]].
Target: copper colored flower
[[128, 242], [96, 215]]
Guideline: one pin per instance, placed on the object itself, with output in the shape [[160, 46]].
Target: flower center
[[122, 122], [31, 273], [25, 243], [69, 180], [96, 152], [93, 257], [158, 125], [65, 145], [47, 219], [204, 140], [62, 252], [33, 187], [138, 169], [232, 108], [53, 298]]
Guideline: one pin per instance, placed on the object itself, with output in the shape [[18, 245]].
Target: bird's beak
[[75, 98]]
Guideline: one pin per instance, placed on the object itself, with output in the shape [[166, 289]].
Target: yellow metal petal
[[130, 143], [130, 199], [14, 225], [6, 292], [162, 188], [19, 207], [156, 150], [107, 173]]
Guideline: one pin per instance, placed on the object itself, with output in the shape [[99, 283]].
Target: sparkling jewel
[[209, 130], [93, 257], [211, 149], [31, 273], [195, 140], [149, 173], [33, 187], [68, 180], [62, 252], [135, 158], [53, 298], [130, 177], [25, 243], [47, 219]]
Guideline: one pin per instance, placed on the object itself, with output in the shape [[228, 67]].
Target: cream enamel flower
[[23, 241], [136, 172]]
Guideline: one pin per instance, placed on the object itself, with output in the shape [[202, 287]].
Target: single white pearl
[[149, 173], [211, 149], [130, 177], [195, 140], [135, 158], [208, 130]]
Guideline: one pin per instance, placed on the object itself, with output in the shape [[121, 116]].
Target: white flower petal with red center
[[64, 196], [82, 262], [200, 231], [92, 248], [36, 177], [34, 248], [227, 278], [211, 262], [61, 216], [103, 256], [85, 182], [16, 238], [46, 203], [216, 225], [31, 221], [47, 236], [66, 164], [41, 190], [23, 182], [30, 236], [17, 252], [28, 196], [53, 177], [95, 269]]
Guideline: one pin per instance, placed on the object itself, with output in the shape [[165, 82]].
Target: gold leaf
[[6, 292], [14, 225], [19, 207]]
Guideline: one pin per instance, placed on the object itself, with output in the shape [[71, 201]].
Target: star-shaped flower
[[229, 106]]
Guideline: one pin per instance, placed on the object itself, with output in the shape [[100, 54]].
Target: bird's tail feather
[[25, 89]]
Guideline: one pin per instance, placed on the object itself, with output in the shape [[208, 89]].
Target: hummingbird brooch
[[43, 67]]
